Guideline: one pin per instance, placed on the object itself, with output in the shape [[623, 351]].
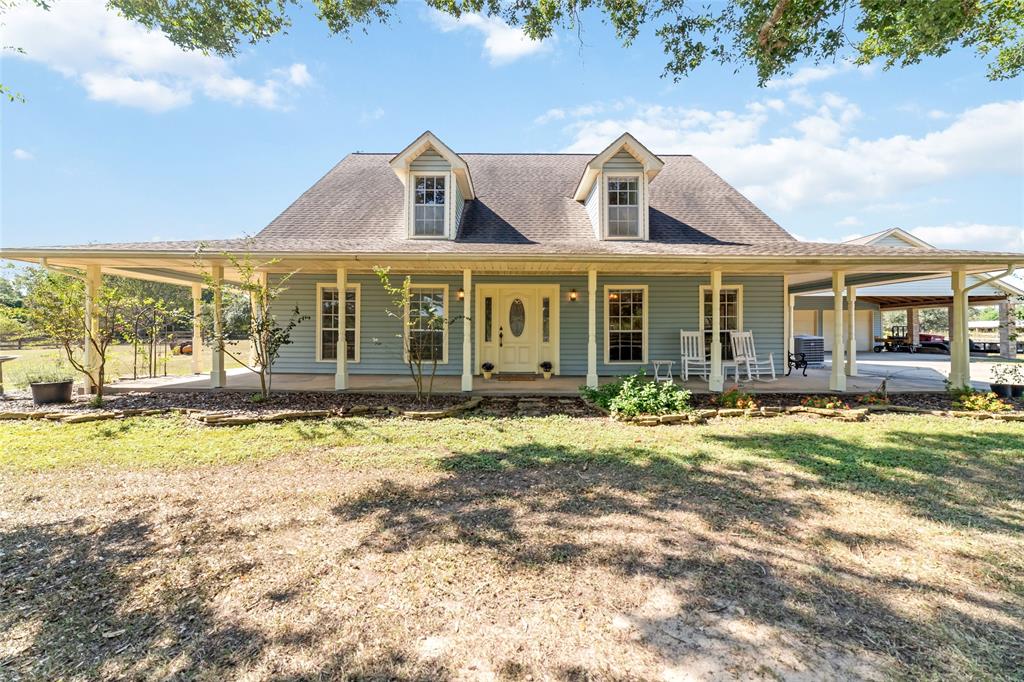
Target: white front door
[[517, 330]]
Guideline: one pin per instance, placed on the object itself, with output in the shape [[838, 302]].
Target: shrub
[[824, 403], [874, 398], [734, 398], [979, 401], [636, 395]]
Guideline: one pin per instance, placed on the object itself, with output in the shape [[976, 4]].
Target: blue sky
[[124, 137]]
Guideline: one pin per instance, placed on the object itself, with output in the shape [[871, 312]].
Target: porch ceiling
[[902, 302]]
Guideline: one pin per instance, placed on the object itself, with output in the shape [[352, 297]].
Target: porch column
[[837, 382], [256, 309], [716, 379], [592, 328], [1007, 330], [960, 350], [218, 377], [93, 281], [467, 330], [851, 322], [789, 301], [197, 328], [341, 364], [914, 326]]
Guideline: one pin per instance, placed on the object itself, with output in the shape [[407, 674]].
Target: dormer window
[[429, 205], [437, 188], [615, 189], [624, 207]]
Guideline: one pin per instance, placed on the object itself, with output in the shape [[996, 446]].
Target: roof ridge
[[357, 153]]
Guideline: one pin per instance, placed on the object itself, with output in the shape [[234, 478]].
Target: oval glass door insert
[[516, 317]]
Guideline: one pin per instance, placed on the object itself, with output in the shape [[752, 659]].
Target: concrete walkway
[[904, 372]]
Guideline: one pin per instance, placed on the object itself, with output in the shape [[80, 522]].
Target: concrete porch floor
[[905, 373]]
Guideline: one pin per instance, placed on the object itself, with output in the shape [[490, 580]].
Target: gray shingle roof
[[523, 200]]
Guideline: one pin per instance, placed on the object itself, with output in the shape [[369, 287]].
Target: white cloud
[[823, 163], [549, 116], [23, 155], [849, 221], [503, 44], [116, 60], [806, 75], [372, 115], [974, 236]]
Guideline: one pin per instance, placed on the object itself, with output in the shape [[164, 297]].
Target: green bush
[[979, 401], [636, 395]]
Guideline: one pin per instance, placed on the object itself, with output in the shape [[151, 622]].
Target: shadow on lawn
[[754, 552], [978, 488], [715, 539]]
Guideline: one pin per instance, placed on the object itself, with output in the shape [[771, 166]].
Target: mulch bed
[[241, 404]]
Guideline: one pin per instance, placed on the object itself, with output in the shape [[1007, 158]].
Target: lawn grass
[[119, 363], [551, 547]]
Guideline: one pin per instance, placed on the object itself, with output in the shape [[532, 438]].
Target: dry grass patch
[[552, 548]]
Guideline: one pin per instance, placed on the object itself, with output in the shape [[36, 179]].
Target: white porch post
[[1007, 330], [851, 322], [960, 349], [467, 330], [197, 328], [716, 379], [341, 364], [837, 382], [789, 301], [218, 377], [93, 281], [592, 328]]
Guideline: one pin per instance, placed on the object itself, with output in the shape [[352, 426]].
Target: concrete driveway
[[923, 368]]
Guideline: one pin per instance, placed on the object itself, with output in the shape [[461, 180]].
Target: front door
[[517, 330]]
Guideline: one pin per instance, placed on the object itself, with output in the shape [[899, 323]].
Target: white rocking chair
[[745, 355], [693, 355]]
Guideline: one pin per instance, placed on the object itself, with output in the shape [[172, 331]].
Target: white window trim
[[738, 288], [320, 286], [607, 327], [411, 204], [641, 197], [405, 323]]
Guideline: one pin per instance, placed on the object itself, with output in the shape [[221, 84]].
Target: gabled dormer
[[437, 185], [615, 188]]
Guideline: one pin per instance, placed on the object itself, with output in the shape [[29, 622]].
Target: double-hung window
[[329, 318], [730, 313], [427, 330], [624, 206], [429, 201], [626, 324]]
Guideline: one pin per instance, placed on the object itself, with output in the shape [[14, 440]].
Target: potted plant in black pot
[[1002, 381], [487, 368], [49, 387], [546, 368]]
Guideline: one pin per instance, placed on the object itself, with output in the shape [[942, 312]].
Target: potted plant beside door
[[487, 368], [546, 368]]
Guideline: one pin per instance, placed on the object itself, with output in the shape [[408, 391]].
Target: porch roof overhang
[[807, 274], [903, 302]]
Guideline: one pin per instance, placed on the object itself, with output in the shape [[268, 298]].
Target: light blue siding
[[622, 162], [895, 241], [430, 162], [673, 304]]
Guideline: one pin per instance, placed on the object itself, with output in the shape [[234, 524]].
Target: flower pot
[[1017, 390], [487, 375], [1002, 390], [547, 375], [51, 392]]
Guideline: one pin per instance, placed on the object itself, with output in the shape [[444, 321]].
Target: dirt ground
[[298, 568]]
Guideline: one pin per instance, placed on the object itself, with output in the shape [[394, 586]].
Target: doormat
[[517, 377]]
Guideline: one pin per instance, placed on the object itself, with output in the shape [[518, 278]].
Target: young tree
[[423, 328], [56, 309], [266, 336]]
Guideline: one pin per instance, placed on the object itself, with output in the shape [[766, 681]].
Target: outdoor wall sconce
[[573, 295], [460, 294]]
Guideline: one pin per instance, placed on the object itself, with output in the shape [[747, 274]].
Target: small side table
[[663, 370], [3, 359]]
